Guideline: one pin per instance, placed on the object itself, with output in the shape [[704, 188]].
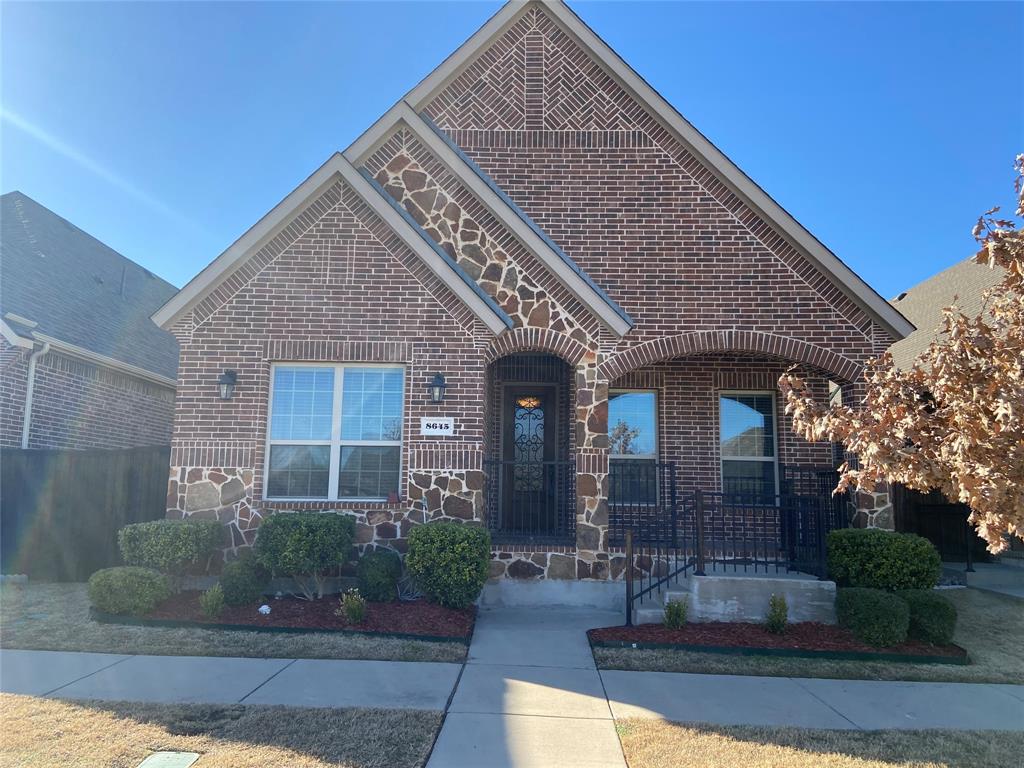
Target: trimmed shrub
[[353, 607], [778, 615], [170, 546], [243, 580], [378, 574], [868, 557], [932, 616], [211, 602], [874, 616], [127, 590], [305, 546], [675, 614], [448, 561]]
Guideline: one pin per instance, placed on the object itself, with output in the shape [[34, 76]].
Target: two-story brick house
[[607, 298]]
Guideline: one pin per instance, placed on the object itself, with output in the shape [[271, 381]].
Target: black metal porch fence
[[531, 501], [667, 532]]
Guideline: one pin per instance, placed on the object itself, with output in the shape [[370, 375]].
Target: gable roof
[[963, 284], [78, 293], [335, 169], [737, 181], [510, 215]]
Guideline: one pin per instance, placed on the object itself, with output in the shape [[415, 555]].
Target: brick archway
[[538, 340], [700, 342]]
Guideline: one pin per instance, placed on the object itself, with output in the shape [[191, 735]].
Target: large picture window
[[747, 441], [335, 432], [633, 447]]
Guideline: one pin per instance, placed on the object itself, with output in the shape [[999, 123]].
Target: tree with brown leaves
[[955, 420]]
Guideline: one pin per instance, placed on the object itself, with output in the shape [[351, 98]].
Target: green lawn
[[990, 627], [55, 617], [42, 733]]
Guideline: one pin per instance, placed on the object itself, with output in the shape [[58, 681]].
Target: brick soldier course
[[532, 196]]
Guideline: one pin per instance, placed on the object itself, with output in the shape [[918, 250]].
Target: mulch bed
[[417, 617], [807, 636]]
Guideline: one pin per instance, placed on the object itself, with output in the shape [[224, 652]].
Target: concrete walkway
[[530, 695]]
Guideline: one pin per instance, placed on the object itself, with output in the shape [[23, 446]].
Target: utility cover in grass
[[169, 760]]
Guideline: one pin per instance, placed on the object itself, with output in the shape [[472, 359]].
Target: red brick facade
[[80, 405], [720, 298]]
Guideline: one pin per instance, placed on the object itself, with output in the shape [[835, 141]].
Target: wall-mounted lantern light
[[437, 388], [226, 383]]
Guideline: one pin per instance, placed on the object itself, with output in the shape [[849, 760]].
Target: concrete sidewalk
[[222, 680]]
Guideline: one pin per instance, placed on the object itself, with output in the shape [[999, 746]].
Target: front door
[[530, 472]]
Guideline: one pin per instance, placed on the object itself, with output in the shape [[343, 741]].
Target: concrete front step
[[740, 597]]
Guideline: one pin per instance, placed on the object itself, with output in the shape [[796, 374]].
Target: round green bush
[[932, 616], [448, 561], [243, 581], [127, 590], [378, 574], [170, 546], [305, 546], [876, 559], [874, 616]]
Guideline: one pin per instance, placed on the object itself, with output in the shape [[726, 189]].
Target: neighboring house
[[963, 284], [81, 365], [932, 515], [534, 224]]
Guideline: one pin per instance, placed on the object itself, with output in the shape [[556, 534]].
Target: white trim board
[[336, 168], [737, 181]]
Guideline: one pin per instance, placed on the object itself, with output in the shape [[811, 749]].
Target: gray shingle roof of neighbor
[[962, 284], [79, 290]]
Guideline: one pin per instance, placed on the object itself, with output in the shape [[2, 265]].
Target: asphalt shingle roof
[[962, 284], [79, 290]]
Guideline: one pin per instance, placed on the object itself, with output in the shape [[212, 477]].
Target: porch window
[[633, 446], [335, 432], [747, 441]]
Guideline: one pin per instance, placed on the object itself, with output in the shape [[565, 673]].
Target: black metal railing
[[531, 501], [756, 535], [668, 533]]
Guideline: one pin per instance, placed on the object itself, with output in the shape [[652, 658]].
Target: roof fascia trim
[[73, 350], [337, 167], [12, 337], [851, 284]]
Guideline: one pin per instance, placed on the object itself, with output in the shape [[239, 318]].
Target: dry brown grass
[[42, 733], [989, 627], [660, 744], [55, 617]]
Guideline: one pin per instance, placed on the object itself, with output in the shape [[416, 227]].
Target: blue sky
[[167, 130]]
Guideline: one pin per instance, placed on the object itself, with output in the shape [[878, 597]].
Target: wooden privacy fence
[[60, 509]]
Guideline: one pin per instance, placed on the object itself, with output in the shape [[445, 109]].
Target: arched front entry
[[529, 467]]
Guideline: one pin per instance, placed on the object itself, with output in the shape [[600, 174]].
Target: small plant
[[874, 616], [675, 613], [778, 615], [127, 590], [307, 546], [932, 616], [211, 602], [449, 561], [243, 581], [353, 607], [170, 546], [378, 574], [876, 559]]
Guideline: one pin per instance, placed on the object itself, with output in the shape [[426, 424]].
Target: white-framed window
[[748, 443], [633, 446], [335, 432]]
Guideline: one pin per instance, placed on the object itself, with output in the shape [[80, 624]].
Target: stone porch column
[[591, 472]]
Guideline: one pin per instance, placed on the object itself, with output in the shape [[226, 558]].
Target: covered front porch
[[690, 459]]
